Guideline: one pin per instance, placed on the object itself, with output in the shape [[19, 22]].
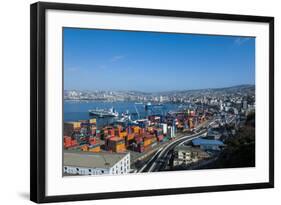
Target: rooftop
[[200, 141], [91, 160], [187, 148]]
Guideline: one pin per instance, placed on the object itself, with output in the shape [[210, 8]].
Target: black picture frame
[[38, 101]]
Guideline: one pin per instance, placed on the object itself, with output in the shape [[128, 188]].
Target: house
[[184, 155]]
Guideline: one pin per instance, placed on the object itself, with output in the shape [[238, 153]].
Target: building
[[245, 104], [171, 132], [208, 144], [212, 134], [89, 163], [184, 155], [164, 127]]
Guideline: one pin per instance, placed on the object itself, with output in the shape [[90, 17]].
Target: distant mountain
[[232, 88]]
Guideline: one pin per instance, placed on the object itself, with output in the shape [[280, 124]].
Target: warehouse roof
[[200, 141], [91, 160]]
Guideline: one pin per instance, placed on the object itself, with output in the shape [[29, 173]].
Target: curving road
[[161, 157]]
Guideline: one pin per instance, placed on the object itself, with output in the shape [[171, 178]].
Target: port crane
[[138, 114]]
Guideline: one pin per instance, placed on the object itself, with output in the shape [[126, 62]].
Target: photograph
[[138, 102]]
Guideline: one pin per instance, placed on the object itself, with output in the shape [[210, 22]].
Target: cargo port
[[189, 136]]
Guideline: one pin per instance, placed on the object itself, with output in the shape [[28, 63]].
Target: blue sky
[[151, 61]]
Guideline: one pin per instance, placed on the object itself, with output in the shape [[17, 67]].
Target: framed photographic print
[[129, 102]]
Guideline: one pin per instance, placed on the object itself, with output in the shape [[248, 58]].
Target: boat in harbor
[[104, 113], [150, 106]]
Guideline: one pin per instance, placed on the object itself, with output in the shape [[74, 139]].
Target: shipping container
[[74, 143], [123, 134], [135, 129], [130, 137], [84, 148], [92, 140], [94, 148], [111, 132], [160, 138], [93, 121], [147, 141], [116, 144]]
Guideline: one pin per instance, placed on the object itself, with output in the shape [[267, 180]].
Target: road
[[161, 158]]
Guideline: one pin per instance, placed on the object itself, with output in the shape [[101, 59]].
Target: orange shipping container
[[120, 148], [123, 134], [84, 148], [130, 137], [95, 149], [147, 142], [135, 129]]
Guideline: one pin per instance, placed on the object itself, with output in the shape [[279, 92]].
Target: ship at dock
[[103, 113]]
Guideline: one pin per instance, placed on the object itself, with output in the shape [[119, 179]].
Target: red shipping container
[[74, 143], [111, 132], [138, 139], [92, 140], [67, 139], [160, 138], [67, 144]]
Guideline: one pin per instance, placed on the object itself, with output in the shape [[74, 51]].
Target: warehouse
[[207, 144], [87, 163]]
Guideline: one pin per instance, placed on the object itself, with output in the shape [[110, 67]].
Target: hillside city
[[204, 129]]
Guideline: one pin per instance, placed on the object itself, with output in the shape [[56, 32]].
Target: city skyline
[[166, 91], [155, 62]]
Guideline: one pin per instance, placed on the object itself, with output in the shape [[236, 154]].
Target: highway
[[161, 158]]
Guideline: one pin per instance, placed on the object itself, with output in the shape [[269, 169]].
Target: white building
[[88, 163], [184, 155], [164, 127], [171, 131]]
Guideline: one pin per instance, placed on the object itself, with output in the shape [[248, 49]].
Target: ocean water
[[78, 110]]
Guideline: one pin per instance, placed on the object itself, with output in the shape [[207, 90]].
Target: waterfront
[[79, 110], [151, 137], [150, 102]]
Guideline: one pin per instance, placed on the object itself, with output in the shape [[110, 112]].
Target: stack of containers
[[190, 123], [92, 140], [148, 141], [136, 129], [123, 134], [106, 141], [116, 144], [67, 141], [94, 148], [111, 132], [102, 135], [118, 130], [74, 143], [84, 148]]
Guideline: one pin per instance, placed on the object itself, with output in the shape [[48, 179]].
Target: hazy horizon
[[162, 91]]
